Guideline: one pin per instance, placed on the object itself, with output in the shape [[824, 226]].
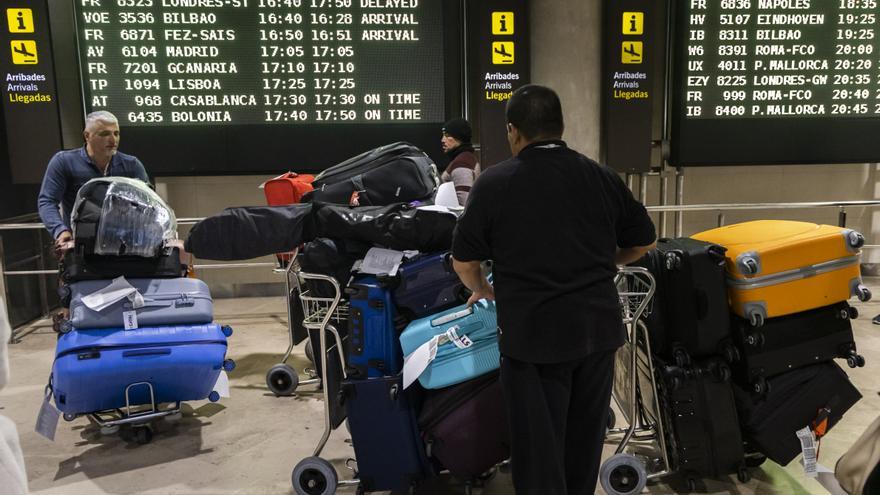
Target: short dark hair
[[536, 112]]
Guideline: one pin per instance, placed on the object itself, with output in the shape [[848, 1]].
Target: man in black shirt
[[555, 224]]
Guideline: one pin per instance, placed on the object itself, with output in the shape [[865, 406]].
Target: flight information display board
[[776, 81], [245, 62]]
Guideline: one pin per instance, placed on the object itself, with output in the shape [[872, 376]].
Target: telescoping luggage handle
[[418, 361]]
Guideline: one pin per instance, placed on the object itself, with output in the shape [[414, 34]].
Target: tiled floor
[[248, 444]]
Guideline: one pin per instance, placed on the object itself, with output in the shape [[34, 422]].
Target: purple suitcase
[[465, 426], [425, 285]]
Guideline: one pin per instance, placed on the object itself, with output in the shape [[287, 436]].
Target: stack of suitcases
[[747, 321], [139, 332]]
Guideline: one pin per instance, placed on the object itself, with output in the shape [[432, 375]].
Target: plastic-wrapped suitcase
[[794, 341], [385, 435], [795, 400], [690, 311], [425, 285], [467, 344], [373, 346], [777, 268], [465, 426], [77, 266], [93, 367], [698, 403], [167, 301]]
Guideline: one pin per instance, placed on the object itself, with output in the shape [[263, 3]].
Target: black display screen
[[233, 86], [776, 81]]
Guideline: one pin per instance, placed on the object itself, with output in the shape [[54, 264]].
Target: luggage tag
[[379, 261], [130, 319], [808, 448], [222, 385], [47, 418]]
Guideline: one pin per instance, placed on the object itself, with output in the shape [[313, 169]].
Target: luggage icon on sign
[[24, 52]]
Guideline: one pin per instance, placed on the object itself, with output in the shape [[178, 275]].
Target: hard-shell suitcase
[[385, 435], [287, 189], [698, 406], [777, 268], [76, 266], [788, 342], [93, 368], [465, 426], [425, 285], [795, 400], [373, 345], [394, 173], [466, 340], [690, 312], [167, 301]]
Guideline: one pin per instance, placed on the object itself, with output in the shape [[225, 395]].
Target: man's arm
[[51, 194], [140, 172], [471, 275], [625, 256]]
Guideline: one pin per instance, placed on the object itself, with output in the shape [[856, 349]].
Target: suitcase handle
[[163, 351]]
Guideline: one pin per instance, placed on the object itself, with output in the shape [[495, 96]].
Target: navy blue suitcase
[[93, 367], [388, 446], [373, 345], [425, 285]]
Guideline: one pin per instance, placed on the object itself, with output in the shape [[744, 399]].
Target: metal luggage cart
[[315, 475], [282, 379], [635, 393]]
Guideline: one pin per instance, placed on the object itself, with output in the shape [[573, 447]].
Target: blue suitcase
[[93, 367], [388, 446], [456, 361], [425, 285], [373, 347]]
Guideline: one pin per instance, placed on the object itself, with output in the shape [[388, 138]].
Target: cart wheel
[[755, 460], [228, 365], [282, 380], [623, 474], [863, 293], [853, 312], [143, 435], [314, 476], [682, 358], [310, 353], [69, 417], [612, 419], [743, 475], [109, 430], [171, 418]]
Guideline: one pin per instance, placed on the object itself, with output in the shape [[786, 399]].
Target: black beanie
[[459, 129]]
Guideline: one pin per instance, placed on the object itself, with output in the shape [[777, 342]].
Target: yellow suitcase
[[777, 267]]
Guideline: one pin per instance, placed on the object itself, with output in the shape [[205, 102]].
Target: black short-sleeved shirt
[[551, 219]]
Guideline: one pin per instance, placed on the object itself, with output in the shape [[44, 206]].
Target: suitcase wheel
[[863, 293], [612, 419], [756, 319], [310, 353], [852, 313], [743, 474], [214, 396], [623, 474], [682, 358], [314, 476], [755, 339], [227, 330], [228, 365], [69, 417], [760, 386], [673, 261], [855, 239], [731, 353], [282, 380], [853, 361]]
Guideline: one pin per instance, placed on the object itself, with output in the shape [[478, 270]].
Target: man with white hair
[[68, 170]]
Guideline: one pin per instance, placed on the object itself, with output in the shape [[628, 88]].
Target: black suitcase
[[394, 173], [465, 426], [385, 435], [77, 266], [794, 400], [703, 432], [789, 342], [690, 316]]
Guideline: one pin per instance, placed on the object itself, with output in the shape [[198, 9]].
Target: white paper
[[808, 448], [118, 290], [130, 319], [440, 208], [446, 195], [379, 261], [222, 385], [417, 362], [47, 420]]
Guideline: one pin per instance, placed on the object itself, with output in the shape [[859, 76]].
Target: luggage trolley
[[635, 393], [282, 379], [315, 475]]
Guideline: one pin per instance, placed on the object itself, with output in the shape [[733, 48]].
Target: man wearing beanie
[[463, 167]]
